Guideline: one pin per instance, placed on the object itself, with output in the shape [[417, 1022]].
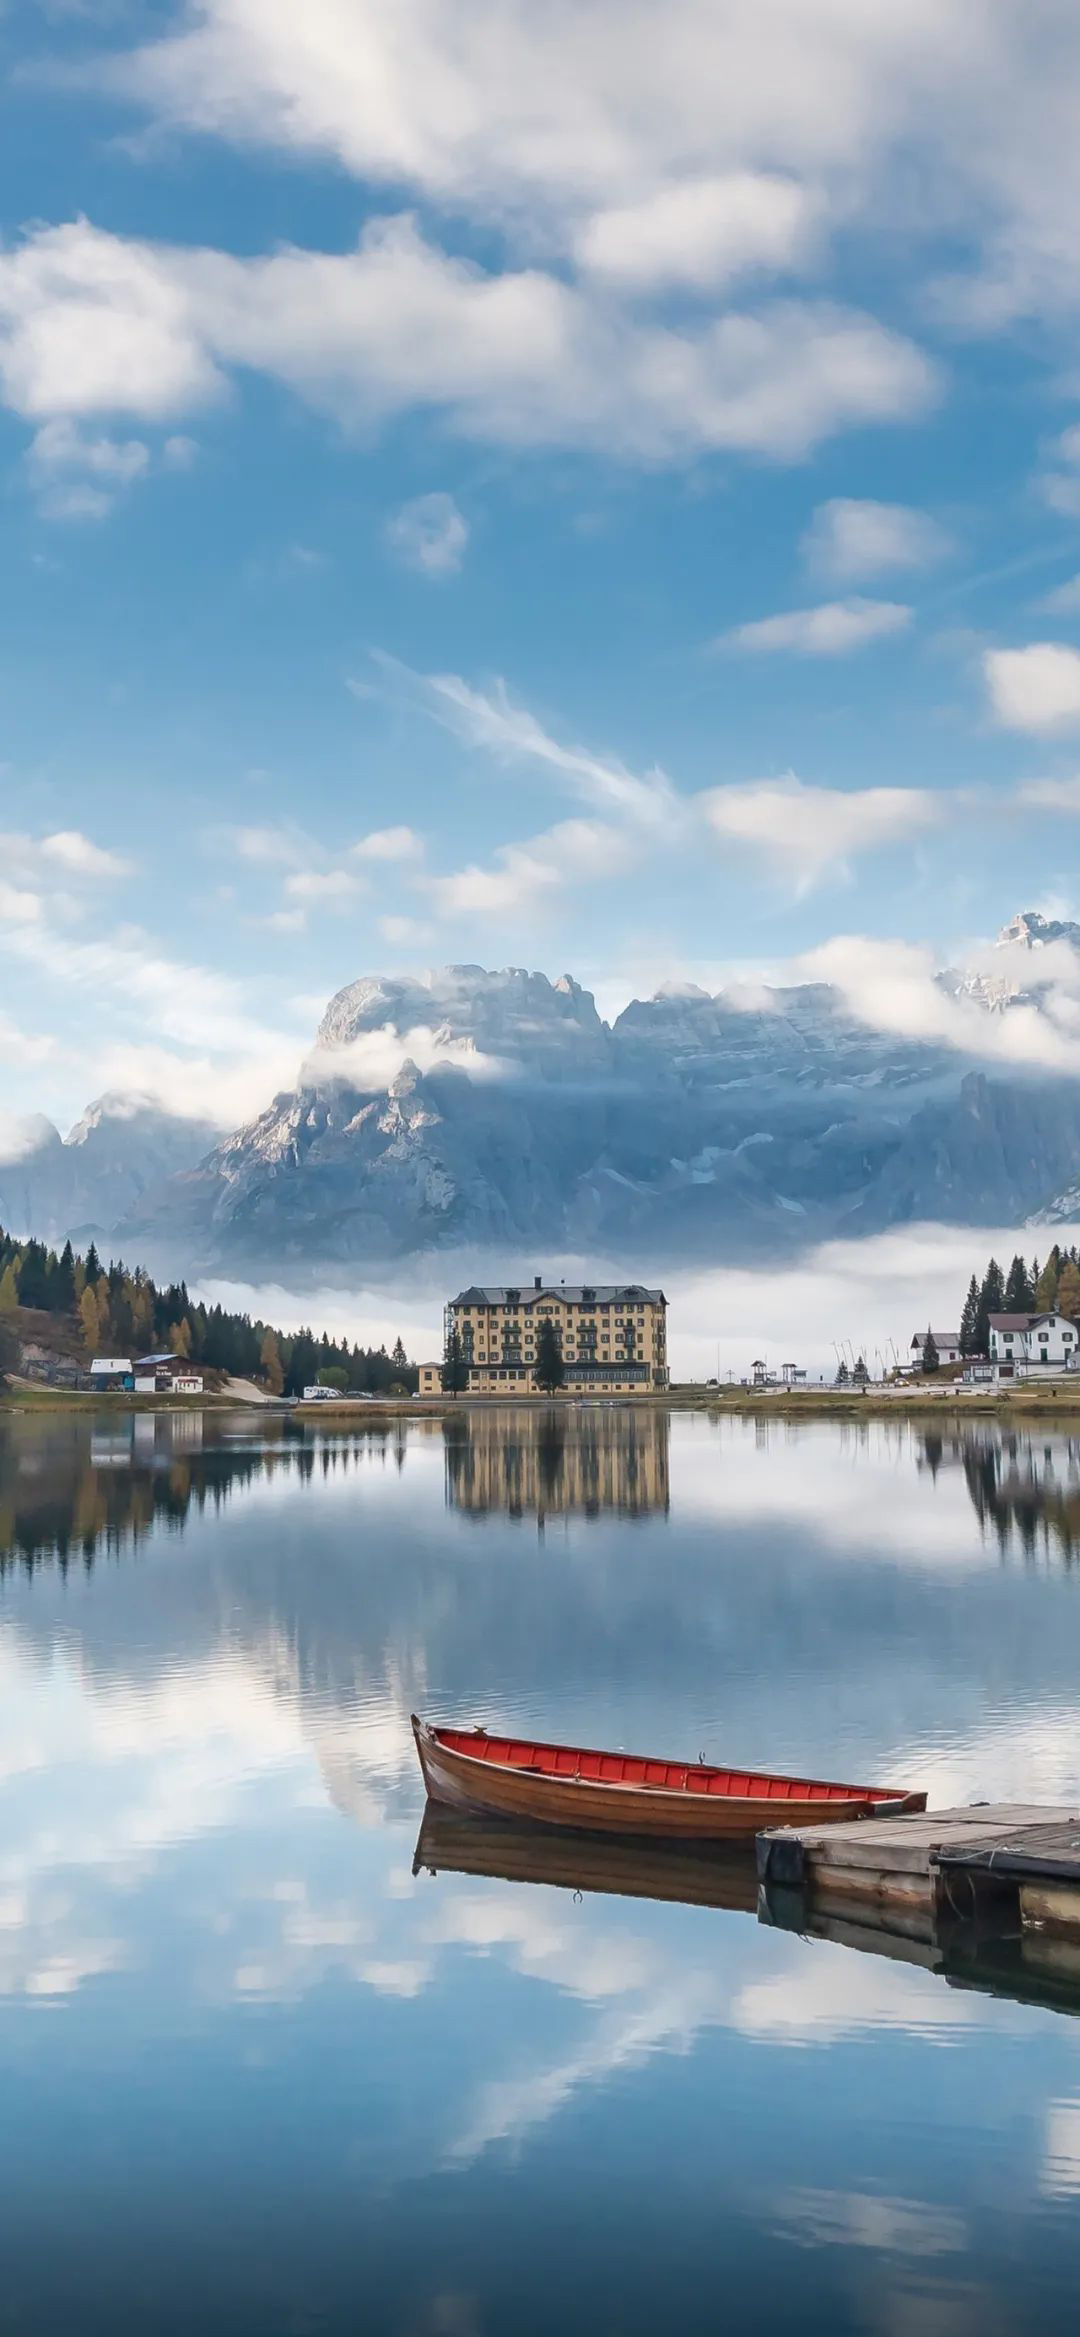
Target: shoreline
[[950, 1401]]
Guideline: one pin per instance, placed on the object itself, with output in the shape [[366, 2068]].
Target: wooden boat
[[693, 1874], [625, 1793]]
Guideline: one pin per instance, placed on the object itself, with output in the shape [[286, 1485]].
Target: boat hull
[[467, 1782]]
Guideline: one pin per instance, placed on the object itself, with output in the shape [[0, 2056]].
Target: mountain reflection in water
[[257, 2076]]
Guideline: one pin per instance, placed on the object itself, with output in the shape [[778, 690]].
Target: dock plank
[[912, 1860]]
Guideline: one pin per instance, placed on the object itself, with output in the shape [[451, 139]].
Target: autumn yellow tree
[[270, 1362], [9, 1288], [1068, 1295]]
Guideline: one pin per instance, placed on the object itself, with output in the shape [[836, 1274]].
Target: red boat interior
[[661, 1776]]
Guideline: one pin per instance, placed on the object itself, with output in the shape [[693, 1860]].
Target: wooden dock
[[1004, 1855]]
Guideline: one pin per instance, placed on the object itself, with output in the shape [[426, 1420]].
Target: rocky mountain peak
[[1033, 931]]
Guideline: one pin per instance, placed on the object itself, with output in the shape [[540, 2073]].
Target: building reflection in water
[[558, 1461], [74, 1488]]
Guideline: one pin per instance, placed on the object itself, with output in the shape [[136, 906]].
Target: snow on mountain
[[497, 1110], [88, 1182]]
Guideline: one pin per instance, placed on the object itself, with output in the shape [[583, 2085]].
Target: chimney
[[537, 1284]]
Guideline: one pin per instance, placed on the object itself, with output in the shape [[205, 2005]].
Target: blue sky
[[594, 487]]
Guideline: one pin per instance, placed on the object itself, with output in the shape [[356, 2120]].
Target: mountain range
[[497, 1111]]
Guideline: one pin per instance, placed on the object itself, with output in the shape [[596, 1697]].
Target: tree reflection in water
[[1024, 1485], [73, 1488]]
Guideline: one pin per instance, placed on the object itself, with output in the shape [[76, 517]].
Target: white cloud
[[429, 534], [524, 877], [537, 117], [389, 844], [1036, 689], [491, 720], [1059, 482], [830, 630], [78, 856], [39, 859], [19, 1046], [323, 887], [848, 540], [810, 829], [1051, 794], [893, 986], [372, 1060], [1064, 601], [700, 232], [405, 932], [93, 324], [266, 847], [18, 906]]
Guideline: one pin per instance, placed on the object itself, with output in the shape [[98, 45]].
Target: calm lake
[[257, 2075]]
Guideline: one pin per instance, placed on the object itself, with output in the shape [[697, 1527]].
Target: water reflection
[[1024, 1486], [551, 1463], [72, 1486], [259, 2075]]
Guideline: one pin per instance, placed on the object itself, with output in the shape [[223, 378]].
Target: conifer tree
[[842, 1374], [991, 1302], [549, 1373], [969, 1321], [1019, 1289], [64, 1280], [455, 1372], [930, 1356], [860, 1375]]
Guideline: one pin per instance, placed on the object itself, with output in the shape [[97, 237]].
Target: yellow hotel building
[[613, 1338]]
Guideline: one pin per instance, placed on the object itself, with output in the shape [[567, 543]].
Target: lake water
[[256, 2075]]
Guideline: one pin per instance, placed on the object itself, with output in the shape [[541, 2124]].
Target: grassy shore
[[923, 1401]]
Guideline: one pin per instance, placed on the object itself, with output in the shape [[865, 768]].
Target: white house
[[946, 1342], [1024, 1340]]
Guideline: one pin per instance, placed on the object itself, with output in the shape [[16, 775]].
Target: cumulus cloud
[[429, 534], [540, 118], [92, 323], [34, 864], [830, 630], [1036, 689], [808, 830], [324, 888], [369, 1062], [700, 232], [848, 540], [893, 986], [524, 877], [389, 844], [1051, 794]]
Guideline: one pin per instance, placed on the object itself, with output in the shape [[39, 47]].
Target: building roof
[[111, 1363], [150, 1362], [940, 1338], [526, 1293], [1050, 1314]]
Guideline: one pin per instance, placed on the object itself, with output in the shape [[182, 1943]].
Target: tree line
[[1052, 1288], [117, 1310]]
